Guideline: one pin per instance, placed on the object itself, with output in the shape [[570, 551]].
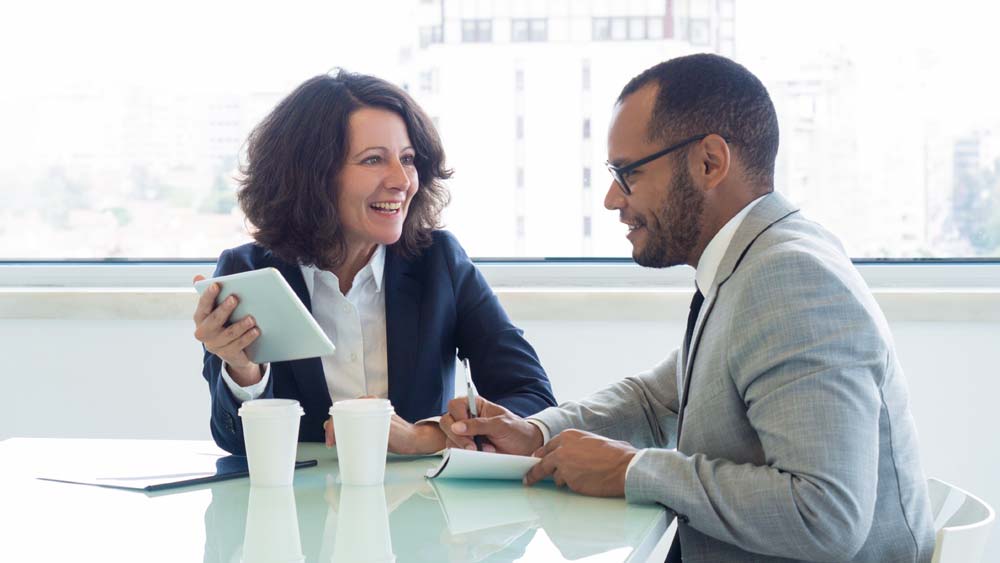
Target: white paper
[[470, 464]]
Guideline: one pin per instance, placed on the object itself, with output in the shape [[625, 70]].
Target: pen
[[470, 394]]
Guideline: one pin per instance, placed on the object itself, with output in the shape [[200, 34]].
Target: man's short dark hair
[[707, 93], [288, 186]]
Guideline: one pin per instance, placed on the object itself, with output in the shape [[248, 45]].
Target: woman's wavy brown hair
[[288, 189]]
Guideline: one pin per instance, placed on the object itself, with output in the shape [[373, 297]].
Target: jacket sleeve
[[808, 358], [227, 428], [641, 410], [505, 368]]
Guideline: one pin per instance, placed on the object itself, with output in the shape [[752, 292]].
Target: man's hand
[[587, 463], [504, 431]]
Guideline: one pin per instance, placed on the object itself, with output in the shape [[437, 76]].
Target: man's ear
[[712, 159]]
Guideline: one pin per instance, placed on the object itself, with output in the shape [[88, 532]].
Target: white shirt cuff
[[545, 430], [246, 393], [429, 420], [635, 458]]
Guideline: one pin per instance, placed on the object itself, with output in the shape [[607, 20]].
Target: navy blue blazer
[[435, 304]]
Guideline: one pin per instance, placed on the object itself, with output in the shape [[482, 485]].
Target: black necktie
[[696, 302], [674, 555]]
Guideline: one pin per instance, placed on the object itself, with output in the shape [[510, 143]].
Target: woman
[[343, 184]]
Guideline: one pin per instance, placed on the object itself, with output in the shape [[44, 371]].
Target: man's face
[[663, 212]]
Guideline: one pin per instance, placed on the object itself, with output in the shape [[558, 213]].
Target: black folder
[[199, 469]]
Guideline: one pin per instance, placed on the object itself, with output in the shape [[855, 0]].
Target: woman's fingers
[[234, 352], [206, 302], [328, 428], [208, 329]]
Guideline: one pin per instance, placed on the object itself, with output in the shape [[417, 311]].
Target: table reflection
[[272, 527], [410, 518]]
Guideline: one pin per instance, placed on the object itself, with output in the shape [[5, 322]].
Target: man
[[786, 404]]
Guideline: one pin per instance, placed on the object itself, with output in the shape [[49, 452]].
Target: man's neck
[[714, 218]]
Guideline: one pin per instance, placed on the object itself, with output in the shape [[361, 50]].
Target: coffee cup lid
[[362, 407], [271, 407]]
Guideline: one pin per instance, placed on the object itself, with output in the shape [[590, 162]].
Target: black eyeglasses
[[619, 173]]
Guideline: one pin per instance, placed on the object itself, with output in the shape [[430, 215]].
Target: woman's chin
[[387, 238]]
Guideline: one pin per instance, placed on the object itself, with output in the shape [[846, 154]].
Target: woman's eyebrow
[[366, 149]]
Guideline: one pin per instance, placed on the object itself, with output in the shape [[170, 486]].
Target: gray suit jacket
[[797, 441]]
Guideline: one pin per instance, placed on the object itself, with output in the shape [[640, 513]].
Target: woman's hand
[[225, 342], [404, 438]]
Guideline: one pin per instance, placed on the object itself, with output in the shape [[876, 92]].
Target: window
[[654, 28], [427, 81], [619, 28], [637, 28], [699, 32], [430, 34], [131, 150], [631, 28], [601, 29], [529, 29], [477, 31]]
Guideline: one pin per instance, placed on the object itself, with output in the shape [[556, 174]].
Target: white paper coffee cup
[[272, 530], [271, 435], [361, 427]]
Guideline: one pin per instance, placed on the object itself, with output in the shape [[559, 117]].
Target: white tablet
[[287, 330]]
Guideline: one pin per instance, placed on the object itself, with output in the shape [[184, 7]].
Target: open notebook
[[469, 464]]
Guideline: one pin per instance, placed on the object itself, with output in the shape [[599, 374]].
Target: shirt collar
[[376, 265], [708, 264]]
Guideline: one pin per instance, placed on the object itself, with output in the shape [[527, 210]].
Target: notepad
[[469, 464]]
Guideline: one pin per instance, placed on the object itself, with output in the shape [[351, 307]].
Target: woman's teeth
[[387, 206]]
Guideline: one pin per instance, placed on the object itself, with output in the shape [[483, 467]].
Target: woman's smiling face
[[378, 179]]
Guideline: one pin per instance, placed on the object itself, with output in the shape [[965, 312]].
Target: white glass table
[[407, 519]]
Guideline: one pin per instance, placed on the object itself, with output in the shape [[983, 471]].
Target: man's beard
[[673, 230]]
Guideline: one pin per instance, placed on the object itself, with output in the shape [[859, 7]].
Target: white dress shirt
[[355, 323]]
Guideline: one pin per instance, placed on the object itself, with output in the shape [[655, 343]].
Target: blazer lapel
[[403, 287], [308, 372], [770, 210]]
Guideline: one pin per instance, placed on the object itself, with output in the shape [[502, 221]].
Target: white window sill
[[529, 291]]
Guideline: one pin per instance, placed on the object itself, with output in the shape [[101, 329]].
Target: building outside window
[[123, 145], [529, 29], [477, 31]]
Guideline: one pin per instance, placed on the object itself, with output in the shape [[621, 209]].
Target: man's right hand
[[505, 432], [225, 342]]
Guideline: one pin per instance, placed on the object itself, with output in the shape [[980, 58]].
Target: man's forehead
[[630, 119]]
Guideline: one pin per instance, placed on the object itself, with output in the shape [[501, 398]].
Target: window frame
[[598, 273]]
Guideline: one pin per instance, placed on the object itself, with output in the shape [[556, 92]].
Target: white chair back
[[962, 523]]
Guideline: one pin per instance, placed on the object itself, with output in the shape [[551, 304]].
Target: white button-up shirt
[[355, 323]]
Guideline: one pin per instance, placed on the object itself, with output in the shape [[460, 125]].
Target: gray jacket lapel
[[770, 210]]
